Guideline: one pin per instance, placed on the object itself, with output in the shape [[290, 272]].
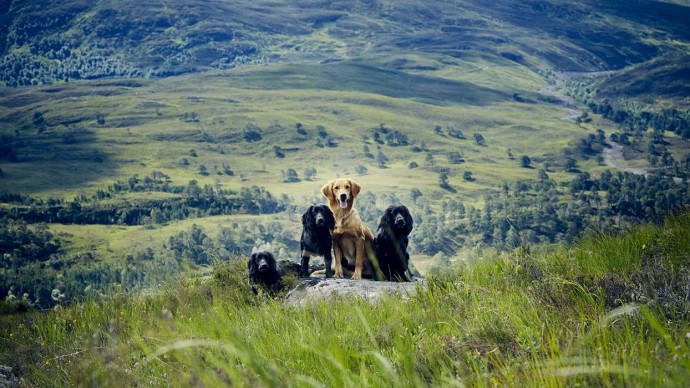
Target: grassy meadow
[[144, 129], [606, 311]]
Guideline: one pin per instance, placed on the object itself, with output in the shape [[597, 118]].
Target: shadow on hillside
[[449, 188], [368, 79]]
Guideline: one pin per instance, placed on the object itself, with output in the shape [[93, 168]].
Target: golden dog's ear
[[355, 188], [327, 189]]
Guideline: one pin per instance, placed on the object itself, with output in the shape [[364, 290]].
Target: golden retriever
[[352, 239]]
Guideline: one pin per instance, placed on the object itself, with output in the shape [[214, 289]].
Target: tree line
[[194, 201]]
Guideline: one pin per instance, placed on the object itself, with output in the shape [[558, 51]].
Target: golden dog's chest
[[348, 248]]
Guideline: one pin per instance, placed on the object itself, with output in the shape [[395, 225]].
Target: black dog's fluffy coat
[[390, 243], [266, 272], [317, 223]]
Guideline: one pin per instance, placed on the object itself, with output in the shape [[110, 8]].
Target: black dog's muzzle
[[399, 221], [263, 265], [320, 219]]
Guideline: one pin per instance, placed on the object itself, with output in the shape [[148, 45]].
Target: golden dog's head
[[341, 192]]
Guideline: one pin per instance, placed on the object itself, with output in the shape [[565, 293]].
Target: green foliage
[[479, 139], [20, 243], [252, 133], [455, 157], [390, 137], [278, 151], [194, 246], [381, 159], [190, 200], [290, 176], [310, 173], [456, 133]]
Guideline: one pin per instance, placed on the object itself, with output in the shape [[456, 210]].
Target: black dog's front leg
[[304, 271], [328, 261]]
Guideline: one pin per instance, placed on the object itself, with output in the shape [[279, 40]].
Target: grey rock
[[7, 377], [315, 289]]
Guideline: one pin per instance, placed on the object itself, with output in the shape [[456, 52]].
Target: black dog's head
[[262, 267], [398, 218], [319, 216]]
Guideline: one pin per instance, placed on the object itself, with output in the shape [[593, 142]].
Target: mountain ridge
[[75, 39]]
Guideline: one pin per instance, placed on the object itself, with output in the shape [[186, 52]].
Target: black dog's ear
[[409, 222], [307, 217], [328, 214], [251, 264], [389, 215]]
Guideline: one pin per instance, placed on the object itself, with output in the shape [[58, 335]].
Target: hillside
[[47, 41], [139, 141], [607, 311]]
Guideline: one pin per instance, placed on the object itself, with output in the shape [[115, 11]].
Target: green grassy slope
[[145, 129], [662, 83], [606, 311]]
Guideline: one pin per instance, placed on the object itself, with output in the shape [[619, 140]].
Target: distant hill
[[664, 81], [46, 41]]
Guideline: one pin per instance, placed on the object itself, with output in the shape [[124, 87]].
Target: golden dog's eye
[[347, 187], [337, 187]]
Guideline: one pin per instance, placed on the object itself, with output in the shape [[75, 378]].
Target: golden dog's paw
[[338, 275], [357, 276]]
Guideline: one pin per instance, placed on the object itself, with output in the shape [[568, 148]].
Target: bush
[[290, 176], [252, 133]]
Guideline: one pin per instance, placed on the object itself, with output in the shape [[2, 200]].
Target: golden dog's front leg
[[359, 263], [338, 256]]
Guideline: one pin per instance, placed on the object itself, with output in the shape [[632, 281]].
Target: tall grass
[[522, 319]]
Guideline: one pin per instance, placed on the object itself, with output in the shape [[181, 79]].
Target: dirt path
[[613, 157], [556, 90]]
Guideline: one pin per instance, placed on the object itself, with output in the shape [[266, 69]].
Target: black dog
[[317, 223], [390, 243], [268, 273]]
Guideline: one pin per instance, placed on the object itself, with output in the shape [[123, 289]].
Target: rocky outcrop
[[315, 289], [7, 377]]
